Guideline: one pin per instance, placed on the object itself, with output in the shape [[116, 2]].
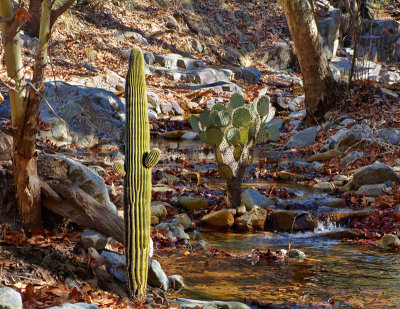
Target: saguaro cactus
[[233, 132], [137, 182]]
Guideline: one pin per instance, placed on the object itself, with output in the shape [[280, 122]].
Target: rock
[[178, 232], [116, 264], [280, 57], [154, 220], [317, 167], [251, 198], [176, 282], [295, 253], [249, 75], [190, 303], [5, 147], [149, 57], [390, 242], [192, 203], [156, 276], [374, 190], [197, 46], [183, 220], [284, 175], [277, 122], [374, 174], [190, 136], [241, 210], [347, 122], [325, 186], [175, 135], [177, 108], [29, 42], [328, 28], [289, 221], [171, 23], [325, 156], [220, 220], [296, 104], [390, 78], [303, 138], [343, 234], [253, 220], [333, 202], [299, 114], [80, 176], [140, 39], [201, 245], [98, 169], [75, 306], [93, 239], [158, 210], [351, 157], [389, 135], [10, 299]]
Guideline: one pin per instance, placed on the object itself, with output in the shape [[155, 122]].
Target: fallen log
[[66, 200]]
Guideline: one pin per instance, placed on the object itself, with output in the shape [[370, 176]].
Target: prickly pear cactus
[[233, 131], [137, 182]]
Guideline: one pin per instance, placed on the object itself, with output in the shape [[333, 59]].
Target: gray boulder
[[374, 190], [252, 198], [116, 264], [280, 57], [249, 75], [295, 253], [328, 28], [156, 276], [93, 239], [376, 173], [10, 299], [303, 138]]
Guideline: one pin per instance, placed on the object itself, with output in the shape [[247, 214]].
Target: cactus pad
[[237, 152], [262, 135], [263, 105], [233, 136], [195, 123], [205, 118], [218, 107], [222, 118], [244, 135], [213, 137], [236, 100], [241, 117]]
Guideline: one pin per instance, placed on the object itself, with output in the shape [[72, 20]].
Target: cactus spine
[[137, 182], [233, 132]]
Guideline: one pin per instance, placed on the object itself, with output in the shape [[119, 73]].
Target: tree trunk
[[32, 27], [319, 86], [234, 188]]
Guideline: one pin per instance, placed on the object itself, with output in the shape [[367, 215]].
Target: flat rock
[[291, 221], [324, 186], [249, 75], [284, 175], [192, 203], [219, 220], [332, 202], [303, 138], [253, 220], [190, 303], [10, 299], [251, 198], [325, 156], [93, 239], [375, 173], [374, 190]]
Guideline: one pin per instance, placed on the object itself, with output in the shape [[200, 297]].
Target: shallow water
[[351, 274]]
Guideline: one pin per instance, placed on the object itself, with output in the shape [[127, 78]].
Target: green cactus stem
[[137, 185], [119, 168]]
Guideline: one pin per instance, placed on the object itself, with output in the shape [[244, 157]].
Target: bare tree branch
[[58, 12]]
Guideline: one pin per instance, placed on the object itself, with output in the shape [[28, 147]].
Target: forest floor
[[50, 267]]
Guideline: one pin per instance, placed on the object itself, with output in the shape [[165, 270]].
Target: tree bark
[[33, 26], [319, 86], [234, 188]]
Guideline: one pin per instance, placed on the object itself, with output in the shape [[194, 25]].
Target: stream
[[346, 274]]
